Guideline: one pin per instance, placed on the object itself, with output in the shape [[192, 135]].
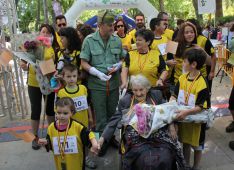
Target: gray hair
[[140, 80]]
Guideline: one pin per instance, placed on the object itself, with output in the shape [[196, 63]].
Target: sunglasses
[[63, 24], [120, 26]]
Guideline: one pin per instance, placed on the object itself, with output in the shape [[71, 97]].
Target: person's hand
[[115, 67], [172, 98], [104, 77], [159, 82], [181, 114], [23, 65], [99, 74], [95, 147], [101, 141], [42, 142], [211, 75], [171, 62]]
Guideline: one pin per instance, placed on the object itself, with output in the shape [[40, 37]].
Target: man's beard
[[140, 25]]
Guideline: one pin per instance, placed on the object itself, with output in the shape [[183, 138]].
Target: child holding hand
[[66, 138]]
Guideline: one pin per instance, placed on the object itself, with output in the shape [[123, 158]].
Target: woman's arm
[[124, 78]]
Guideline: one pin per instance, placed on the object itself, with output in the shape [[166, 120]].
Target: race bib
[[181, 99], [162, 48], [80, 103], [71, 145]]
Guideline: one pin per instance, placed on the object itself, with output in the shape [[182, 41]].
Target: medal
[[62, 147]]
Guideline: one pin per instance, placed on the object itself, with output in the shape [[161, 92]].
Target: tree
[[161, 4], [38, 15], [45, 7], [195, 5], [219, 9]]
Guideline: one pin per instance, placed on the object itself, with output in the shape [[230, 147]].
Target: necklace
[[186, 97], [141, 65]]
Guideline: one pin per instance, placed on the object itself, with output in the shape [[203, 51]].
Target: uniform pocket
[[116, 53], [97, 57]]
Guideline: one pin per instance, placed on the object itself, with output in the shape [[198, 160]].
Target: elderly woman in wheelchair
[[161, 150]]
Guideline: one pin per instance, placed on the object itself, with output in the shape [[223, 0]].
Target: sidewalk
[[17, 155]]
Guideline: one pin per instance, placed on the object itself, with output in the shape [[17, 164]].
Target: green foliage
[[225, 19], [27, 11]]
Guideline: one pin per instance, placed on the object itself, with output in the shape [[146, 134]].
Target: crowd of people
[[95, 66]]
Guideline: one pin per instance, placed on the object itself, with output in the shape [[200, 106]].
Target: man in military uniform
[[101, 57]]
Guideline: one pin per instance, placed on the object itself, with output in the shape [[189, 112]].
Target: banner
[[206, 6]]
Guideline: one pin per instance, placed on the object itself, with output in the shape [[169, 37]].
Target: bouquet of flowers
[[146, 119], [32, 52]]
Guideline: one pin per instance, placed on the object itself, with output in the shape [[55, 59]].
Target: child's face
[[187, 67], [63, 114], [64, 41], [70, 77], [189, 34]]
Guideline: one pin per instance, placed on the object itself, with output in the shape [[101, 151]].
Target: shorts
[[35, 97], [231, 100], [202, 138]]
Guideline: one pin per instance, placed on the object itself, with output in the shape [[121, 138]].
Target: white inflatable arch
[[80, 6]]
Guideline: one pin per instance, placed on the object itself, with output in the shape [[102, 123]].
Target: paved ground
[[17, 155]]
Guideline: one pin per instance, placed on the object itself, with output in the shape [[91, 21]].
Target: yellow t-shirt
[[132, 35], [126, 41], [158, 41], [73, 57], [190, 132], [32, 81], [168, 33], [79, 96], [148, 65], [201, 41], [59, 40], [76, 132]]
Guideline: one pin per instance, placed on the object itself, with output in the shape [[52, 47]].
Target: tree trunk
[[219, 9], [195, 5], [161, 4], [38, 15], [45, 7]]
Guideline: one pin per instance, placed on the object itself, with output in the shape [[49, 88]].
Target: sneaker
[[35, 145], [89, 163], [230, 127], [231, 145]]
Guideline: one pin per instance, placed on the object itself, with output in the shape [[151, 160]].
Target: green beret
[[106, 17]]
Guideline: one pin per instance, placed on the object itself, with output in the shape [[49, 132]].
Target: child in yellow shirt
[[192, 90]]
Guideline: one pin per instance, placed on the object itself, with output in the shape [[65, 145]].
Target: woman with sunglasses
[[121, 29], [144, 61]]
